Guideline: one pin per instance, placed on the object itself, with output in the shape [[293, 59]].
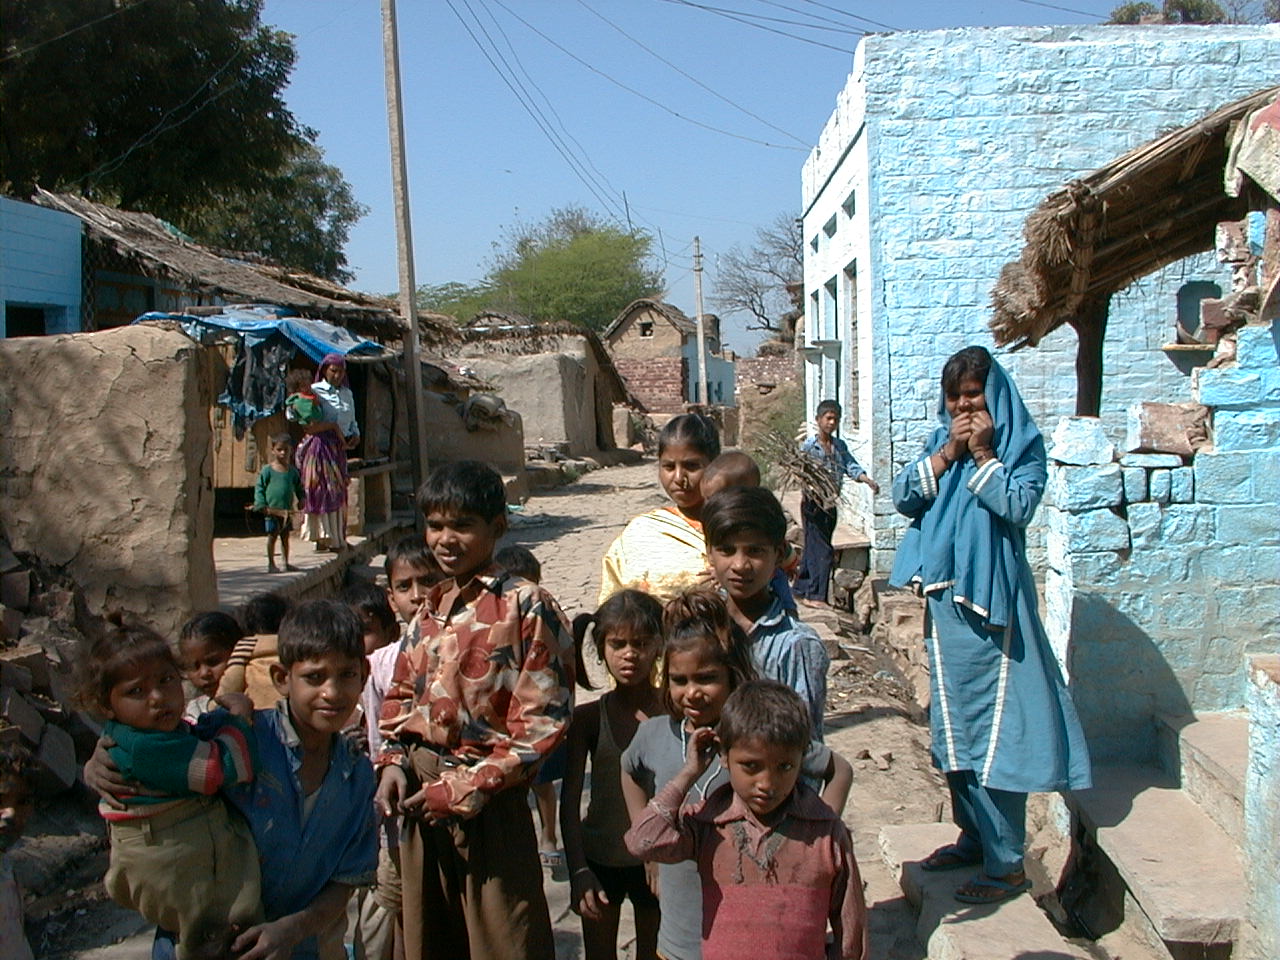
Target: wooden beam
[[1091, 328]]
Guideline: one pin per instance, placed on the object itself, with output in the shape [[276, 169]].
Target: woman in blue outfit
[[1002, 721]]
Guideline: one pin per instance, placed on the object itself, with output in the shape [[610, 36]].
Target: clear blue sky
[[478, 163]]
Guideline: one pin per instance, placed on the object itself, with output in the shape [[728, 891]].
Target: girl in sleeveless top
[[627, 634]]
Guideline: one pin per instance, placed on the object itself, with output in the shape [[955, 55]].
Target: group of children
[[705, 756]]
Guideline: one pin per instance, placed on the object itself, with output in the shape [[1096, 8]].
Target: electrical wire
[[731, 15], [852, 16], [643, 96], [66, 33], [1054, 6], [689, 76]]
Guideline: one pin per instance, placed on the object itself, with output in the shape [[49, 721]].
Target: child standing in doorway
[[662, 551], [627, 634], [799, 875], [819, 520], [276, 494]]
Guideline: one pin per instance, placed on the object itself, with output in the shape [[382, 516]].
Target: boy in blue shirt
[[819, 521], [310, 805], [746, 533]]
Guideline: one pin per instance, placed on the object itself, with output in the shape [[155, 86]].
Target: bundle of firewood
[[792, 469]]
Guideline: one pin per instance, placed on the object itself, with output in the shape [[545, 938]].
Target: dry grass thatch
[[1148, 208]]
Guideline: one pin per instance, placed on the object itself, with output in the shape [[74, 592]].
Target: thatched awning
[[1095, 236]]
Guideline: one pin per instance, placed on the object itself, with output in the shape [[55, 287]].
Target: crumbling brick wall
[[105, 452], [658, 382], [752, 372]]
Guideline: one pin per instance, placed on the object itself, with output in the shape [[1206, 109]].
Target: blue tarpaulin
[[266, 342]]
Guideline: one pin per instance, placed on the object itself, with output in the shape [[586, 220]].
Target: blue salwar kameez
[[1002, 721]]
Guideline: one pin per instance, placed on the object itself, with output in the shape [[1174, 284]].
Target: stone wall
[[105, 469], [1164, 570], [1262, 809], [754, 372], [940, 145], [627, 341], [657, 382]]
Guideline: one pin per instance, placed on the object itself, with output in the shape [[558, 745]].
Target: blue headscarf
[[956, 540]]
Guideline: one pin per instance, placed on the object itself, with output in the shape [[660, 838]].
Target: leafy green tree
[[156, 105], [462, 301], [1193, 11], [1130, 13], [300, 217]]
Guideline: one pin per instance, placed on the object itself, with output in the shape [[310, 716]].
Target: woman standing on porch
[[322, 456], [1002, 721]]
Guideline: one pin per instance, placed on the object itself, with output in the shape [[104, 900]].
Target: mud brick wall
[[658, 382], [753, 371], [105, 468], [1164, 570], [940, 145]]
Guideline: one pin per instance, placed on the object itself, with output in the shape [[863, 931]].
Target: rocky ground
[[871, 719]]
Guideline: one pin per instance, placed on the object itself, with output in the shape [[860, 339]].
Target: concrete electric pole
[[701, 334]]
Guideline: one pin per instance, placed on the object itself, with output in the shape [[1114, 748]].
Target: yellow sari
[[661, 552]]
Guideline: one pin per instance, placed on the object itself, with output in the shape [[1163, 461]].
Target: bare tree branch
[[754, 281]]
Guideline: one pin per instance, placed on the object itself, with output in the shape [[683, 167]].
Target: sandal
[[984, 889], [949, 857]]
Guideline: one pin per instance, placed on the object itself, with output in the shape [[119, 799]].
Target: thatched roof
[[1146, 209], [157, 249]]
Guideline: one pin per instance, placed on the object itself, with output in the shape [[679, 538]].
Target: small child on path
[[833, 453], [627, 634], [662, 552], [776, 864], [706, 657], [277, 494], [482, 693], [248, 669], [746, 534], [204, 648], [17, 800], [736, 469], [177, 856], [520, 562]]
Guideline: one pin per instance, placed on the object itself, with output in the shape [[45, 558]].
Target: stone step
[[1178, 868], [952, 930], [1210, 753]]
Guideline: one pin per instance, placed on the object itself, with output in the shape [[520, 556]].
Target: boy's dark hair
[[520, 561], [121, 644], [317, 628], [738, 469], [467, 486], [633, 609], [699, 619], [766, 711], [263, 612], [413, 551], [694, 430], [738, 509], [827, 406], [278, 438], [295, 381], [16, 765], [214, 627], [972, 362], [368, 597]]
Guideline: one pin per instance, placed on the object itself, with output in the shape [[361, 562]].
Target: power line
[[643, 96], [729, 15], [1054, 6], [851, 16], [689, 76], [66, 33], [813, 21]]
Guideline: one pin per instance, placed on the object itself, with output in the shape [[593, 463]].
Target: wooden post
[[404, 244], [1091, 329]]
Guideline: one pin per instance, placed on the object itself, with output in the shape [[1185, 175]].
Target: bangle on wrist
[[946, 461]]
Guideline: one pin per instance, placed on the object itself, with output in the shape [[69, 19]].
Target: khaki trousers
[[473, 888]]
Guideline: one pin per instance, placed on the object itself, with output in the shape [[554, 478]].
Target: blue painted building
[[40, 278], [939, 146]]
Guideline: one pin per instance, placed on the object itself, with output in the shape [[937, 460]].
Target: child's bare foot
[[291, 568], [271, 567]]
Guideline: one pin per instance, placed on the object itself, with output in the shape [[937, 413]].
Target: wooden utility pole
[[702, 340], [404, 244]]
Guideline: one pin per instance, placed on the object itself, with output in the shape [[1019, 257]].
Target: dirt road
[[868, 716]]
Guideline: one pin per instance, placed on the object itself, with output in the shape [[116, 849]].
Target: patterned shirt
[[485, 678], [768, 890]]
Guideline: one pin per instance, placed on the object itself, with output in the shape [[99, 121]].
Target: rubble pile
[[43, 619]]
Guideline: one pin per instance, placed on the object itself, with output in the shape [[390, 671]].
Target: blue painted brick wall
[[966, 131], [40, 262]]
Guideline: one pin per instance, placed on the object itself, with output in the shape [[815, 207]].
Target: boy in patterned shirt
[[481, 694]]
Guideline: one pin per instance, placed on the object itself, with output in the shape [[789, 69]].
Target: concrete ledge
[[957, 931], [1211, 756], [1181, 867]]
